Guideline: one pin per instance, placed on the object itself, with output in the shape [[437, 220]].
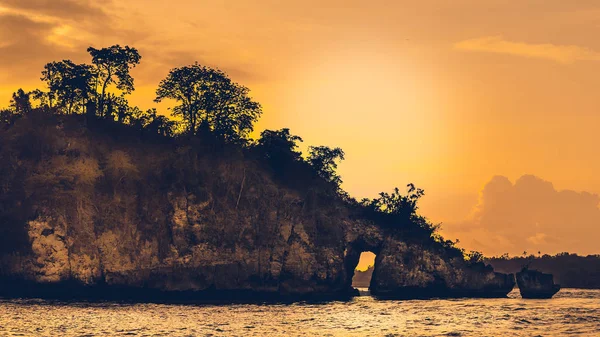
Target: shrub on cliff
[[399, 211]]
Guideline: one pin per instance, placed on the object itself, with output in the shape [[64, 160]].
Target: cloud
[[71, 17], [64, 9], [559, 53], [35, 32], [531, 215], [25, 43]]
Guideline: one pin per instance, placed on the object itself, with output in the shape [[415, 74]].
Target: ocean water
[[571, 312]]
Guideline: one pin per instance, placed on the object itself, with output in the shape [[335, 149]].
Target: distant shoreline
[[569, 270]]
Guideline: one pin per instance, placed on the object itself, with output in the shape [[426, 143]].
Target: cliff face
[[413, 270], [99, 208], [290, 263]]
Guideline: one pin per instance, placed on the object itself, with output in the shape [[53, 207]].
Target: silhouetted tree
[[20, 102], [117, 107], [475, 257], [43, 97], [399, 211], [152, 122], [279, 149], [279, 145], [397, 203], [161, 125], [210, 99], [325, 162], [112, 65], [71, 84], [8, 117]]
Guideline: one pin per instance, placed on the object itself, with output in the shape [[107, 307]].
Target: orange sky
[[444, 94]]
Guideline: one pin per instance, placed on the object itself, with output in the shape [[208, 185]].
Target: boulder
[[535, 284]]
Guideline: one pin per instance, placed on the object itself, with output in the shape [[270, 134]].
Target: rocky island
[[99, 209], [102, 200], [535, 284]]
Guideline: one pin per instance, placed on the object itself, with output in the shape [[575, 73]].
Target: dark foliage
[[210, 101], [112, 66], [279, 146], [20, 103], [398, 211], [70, 86], [325, 162]]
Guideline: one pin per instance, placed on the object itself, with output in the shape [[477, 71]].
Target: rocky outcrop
[[104, 213], [405, 270], [291, 265], [535, 284]]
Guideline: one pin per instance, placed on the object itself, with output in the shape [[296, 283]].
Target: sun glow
[[61, 36], [365, 100]]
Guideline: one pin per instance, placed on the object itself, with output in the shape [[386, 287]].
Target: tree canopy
[[398, 204], [20, 102], [69, 83], [325, 160], [279, 145], [112, 66], [209, 99]]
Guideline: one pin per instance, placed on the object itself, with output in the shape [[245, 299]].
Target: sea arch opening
[[363, 272], [361, 252]]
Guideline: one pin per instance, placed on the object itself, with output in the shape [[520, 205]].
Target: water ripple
[[571, 312]]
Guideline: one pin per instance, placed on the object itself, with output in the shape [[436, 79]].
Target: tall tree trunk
[[192, 121], [102, 95]]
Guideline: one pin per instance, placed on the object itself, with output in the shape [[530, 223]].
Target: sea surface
[[571, 312]]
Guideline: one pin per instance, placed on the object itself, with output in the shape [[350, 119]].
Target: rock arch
[[363, 237], [406, 268]]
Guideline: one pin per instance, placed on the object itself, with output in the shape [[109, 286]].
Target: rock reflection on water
[[571, 312]]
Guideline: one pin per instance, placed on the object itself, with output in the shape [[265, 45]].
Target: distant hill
[[362, 278], [569, 270]]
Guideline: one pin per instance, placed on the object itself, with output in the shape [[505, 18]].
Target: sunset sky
[[492, 107]]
